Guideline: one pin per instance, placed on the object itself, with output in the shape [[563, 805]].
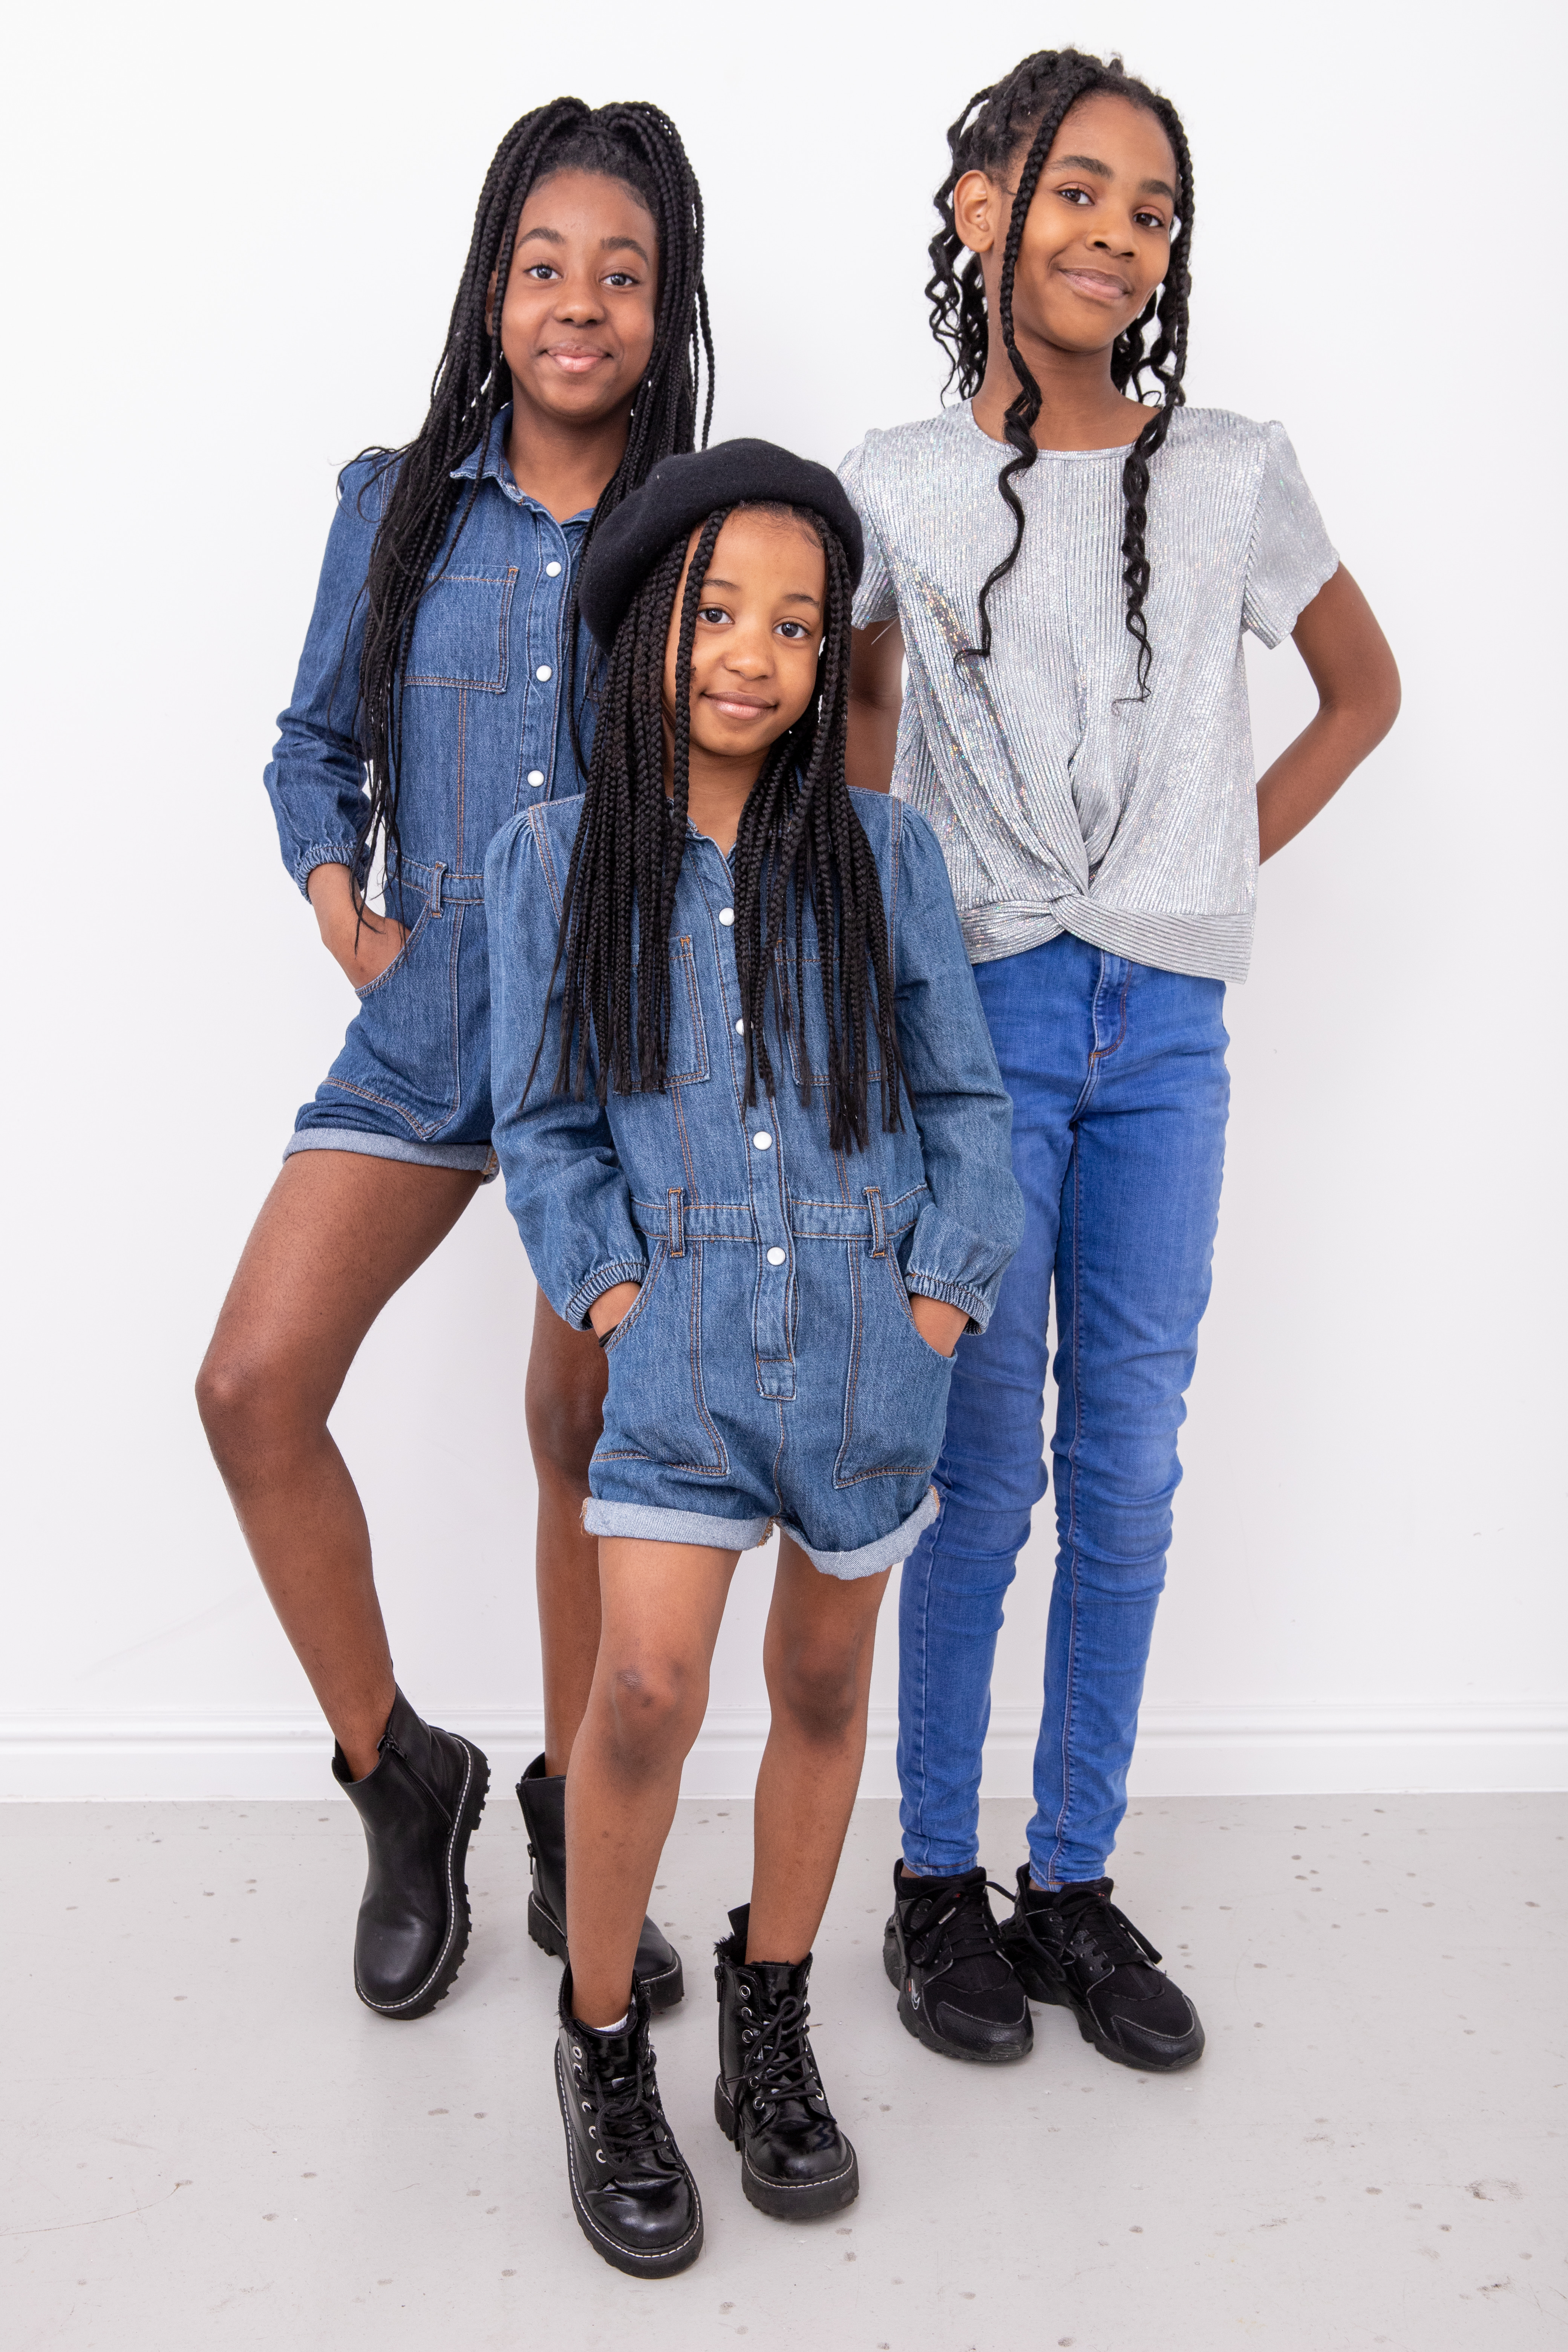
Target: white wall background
[[232, 238]]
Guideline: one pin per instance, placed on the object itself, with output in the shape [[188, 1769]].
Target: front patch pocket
[[460, 634], [402, 1051], [896, 1385], [655, 1409], [808, 1031]]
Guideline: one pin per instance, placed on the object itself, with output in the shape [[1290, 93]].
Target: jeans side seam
[[1071, 1677]]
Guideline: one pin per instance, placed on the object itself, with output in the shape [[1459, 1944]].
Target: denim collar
[[489, 464]]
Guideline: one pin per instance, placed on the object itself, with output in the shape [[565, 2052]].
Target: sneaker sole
[[1050, 1994], [663, 1991], [805, 2202], [454, 1951], [663, 2265], [915, 2021]]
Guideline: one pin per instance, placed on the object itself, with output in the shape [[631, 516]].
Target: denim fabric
[[484, 733], [770, 1367], [1120, 1096]]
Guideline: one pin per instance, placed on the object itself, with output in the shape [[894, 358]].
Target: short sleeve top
[[1061, 799]]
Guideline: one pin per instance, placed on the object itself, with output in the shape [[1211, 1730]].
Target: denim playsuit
[[770, 1369], [484, 731]]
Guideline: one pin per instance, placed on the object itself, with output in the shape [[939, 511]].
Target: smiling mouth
[[574, 358], [738, 706], [1098, 285]]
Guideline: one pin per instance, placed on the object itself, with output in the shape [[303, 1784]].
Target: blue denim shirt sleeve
[[964, 1237], [315, 779], [564, 1179]]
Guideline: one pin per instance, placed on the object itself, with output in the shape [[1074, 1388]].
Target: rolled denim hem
[[869, 1559], [648, 1524], [476, 1158]]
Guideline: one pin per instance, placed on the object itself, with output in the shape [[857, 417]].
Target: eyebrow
[[1103, 171], [794, 596], [607, 244]]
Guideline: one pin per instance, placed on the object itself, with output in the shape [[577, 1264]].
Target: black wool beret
[[681, 492]]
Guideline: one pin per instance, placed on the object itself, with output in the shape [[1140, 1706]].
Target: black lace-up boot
[[1071, 1945], [542, 1796], [795, 2163], [957, 1992], [419, 1806], [631, 2189]]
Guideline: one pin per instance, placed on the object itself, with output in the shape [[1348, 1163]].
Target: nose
[[1114, 237], [579, 302]]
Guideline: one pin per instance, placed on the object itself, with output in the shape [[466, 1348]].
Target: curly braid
[[798, 839], [631, 142], [1032, 103]]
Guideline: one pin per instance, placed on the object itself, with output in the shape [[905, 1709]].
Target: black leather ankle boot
[[631, 2189], [418, 1807], [542, 1796], [795, 2163]]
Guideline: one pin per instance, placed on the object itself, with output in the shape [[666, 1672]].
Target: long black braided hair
[[799, 839], [1031, 104], [630, 142]]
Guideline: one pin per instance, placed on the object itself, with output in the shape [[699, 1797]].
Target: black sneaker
[[957, 1991], [1073, 1946], [631, 2191]]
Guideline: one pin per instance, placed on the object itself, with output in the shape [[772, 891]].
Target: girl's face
[[577, 323], [759, 629], [1096, 242]]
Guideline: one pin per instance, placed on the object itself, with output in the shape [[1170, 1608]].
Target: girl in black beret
[[753, 1136]]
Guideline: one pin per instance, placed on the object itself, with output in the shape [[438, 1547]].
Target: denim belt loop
[[436, 890], [878, 1233], [676, 1224]]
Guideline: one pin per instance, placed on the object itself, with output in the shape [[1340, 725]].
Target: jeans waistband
[[680, 1220], [437, 884]]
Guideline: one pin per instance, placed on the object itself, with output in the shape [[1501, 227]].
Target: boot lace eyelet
[[599, 2156]]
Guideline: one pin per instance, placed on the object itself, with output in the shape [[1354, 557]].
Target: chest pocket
[[687, 1032], [808, 1033], [461, 636]]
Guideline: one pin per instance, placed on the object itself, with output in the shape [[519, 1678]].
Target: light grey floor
[[208, 2143]]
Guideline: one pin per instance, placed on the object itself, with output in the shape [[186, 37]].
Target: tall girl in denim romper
[[429, 707], [752, 1131]]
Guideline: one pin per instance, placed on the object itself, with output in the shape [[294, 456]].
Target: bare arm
[[363, 944], [875, 698], [1349, 662]]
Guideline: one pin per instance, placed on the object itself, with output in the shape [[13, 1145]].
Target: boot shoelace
[[630, 2132], [964, 1914], [778, 2062], [1094, 1927]]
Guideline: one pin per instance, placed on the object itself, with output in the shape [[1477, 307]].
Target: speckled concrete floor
[[208, 2143]]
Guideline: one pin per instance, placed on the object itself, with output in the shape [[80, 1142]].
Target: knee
[[819, 1690], [246, 1408], [655, 1709]]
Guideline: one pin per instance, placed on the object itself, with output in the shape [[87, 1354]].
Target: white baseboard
[[1326, 1748]]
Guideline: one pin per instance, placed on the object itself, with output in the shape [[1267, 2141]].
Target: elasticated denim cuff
[[322, 853], [594, 1286], [961, 1294]]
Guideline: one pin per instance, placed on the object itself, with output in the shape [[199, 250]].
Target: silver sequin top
[[1060, 802]]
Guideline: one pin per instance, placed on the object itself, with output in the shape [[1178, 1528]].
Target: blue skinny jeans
[[1119, 1095]]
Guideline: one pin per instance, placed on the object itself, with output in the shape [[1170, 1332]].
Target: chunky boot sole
[[1046, 1989], [662, 2264], [450, 1958], [916, 2021], [664, 1990], [804, 2201]]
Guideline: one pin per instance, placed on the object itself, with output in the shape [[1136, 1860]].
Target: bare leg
[[567, 1375], [817, 1657], [662, 1607], [338, 1233]]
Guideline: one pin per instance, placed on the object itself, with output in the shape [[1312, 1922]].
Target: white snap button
[[542, 673], [740, 1028], [763, 1139], [552, 571], [726, 915], [536, 776], [777, 1256]]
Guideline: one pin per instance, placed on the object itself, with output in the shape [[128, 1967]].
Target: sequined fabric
[[1061, 801]]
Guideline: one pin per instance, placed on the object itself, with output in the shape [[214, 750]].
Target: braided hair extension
[[630, 142], [798, 838], [1031, 103]]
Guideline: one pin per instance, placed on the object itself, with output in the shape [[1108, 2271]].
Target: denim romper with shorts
[[769, 1370], [484, 734]]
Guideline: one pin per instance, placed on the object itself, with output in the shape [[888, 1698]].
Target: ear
[[980, 208]]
